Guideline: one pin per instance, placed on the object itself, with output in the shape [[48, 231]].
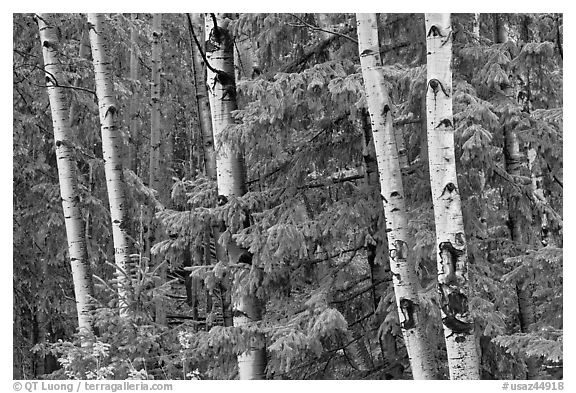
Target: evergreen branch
[[293, 66], [560, 182], [359, 293], [316, 28], [332, 180]]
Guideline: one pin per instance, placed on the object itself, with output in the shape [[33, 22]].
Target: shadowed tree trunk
[[156, 162]]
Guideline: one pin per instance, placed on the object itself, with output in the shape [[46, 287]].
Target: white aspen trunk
[[230, 171], [452, 258], [112, 144], [222, 95], [156, 143], [476, 26], [405, 281], [80, 266]]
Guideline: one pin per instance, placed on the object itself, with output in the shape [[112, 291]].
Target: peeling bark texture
[[67, 177], [453, 284], [112, 144], [231, 175], [405, 281]]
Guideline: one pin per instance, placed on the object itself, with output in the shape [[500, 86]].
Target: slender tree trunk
[[404, 272], [156, 144], [376, 253], [133, 138], [65, 153], [197, 31], [230, 173], [204, 115], [452, 258], [112, 144]]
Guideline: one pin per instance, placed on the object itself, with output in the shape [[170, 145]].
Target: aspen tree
[[112, 144], [230, 171], [392, 191], [67, 177], [452, 257], [222, 292], [156, 174]]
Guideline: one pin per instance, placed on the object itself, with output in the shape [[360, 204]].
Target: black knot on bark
[[445, 123], [222, 200], [434, 31], [408, 308]]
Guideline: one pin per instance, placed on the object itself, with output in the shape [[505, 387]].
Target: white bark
[[453, 285], [230, 171], [222, 95], [112, 144], [404, 273], [476, 26], [65, 158]]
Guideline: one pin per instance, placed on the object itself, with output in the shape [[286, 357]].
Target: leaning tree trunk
[[230, 174], [452, 257], [112, 152], [65, 154], [392, 190]]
